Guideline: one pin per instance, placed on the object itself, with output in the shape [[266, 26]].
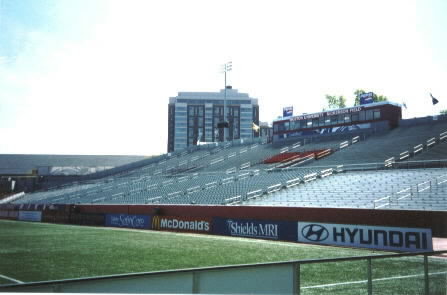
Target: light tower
[[226, 68]]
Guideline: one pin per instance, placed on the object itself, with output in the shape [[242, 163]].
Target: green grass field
[[39, 252]]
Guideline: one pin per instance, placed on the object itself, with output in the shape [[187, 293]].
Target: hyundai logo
[[315, 233]]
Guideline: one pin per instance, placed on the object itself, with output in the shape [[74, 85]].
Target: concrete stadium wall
[[435, 220], [402, 231], [93, 214]]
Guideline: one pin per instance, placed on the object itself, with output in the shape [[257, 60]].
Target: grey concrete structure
[[193, 117]]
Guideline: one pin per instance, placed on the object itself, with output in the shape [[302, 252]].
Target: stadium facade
[[193, 117]]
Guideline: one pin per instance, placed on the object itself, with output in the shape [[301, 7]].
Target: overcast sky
[[95, 77]]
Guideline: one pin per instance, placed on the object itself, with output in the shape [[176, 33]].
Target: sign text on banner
[[364, 236], [127, 220], [182, 224], [261, 229]]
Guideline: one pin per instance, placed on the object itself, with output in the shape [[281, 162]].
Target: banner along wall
[[435, 220], [183, 224], [128, 220], [251, 228], [362, 236], [35, 216]]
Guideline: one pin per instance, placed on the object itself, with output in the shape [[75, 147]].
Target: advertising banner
[[127, 220], [366, 98], [328, 130], [261, 229], [287, 112], [364, 236], [182, 224], [30, 216]]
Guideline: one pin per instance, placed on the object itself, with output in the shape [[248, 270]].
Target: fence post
[[195, 283], [297, 283], [426, 279], [369, 276]]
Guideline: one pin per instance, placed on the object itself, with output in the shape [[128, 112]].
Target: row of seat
[[208, 178], [360, 190]]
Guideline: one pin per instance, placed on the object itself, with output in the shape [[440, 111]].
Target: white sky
[[95, 77]]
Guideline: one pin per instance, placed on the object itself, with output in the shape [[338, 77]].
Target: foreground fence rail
[[266, 278]]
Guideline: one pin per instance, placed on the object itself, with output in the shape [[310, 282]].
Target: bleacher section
[[235, 173], [433, 153], [394, 189], [394, 144], [61, 164]]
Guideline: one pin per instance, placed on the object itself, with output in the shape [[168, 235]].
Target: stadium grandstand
[[21, 172], [365, 180], [394, 167]]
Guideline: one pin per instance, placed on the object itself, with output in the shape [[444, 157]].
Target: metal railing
[[369, 259], [258, 278], [409, 192]]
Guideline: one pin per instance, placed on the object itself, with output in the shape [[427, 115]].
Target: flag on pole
[[199, 137], [433, 100], [255, 127]]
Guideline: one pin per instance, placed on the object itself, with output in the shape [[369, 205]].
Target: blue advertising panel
[[129, 221], [364, 236], [260, 229], [338, 129], [287, 112], [35, 216], [366, 98]]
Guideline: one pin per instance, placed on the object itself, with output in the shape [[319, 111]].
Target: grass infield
[[40, 252]]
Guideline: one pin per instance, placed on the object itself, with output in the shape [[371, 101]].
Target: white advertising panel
[[30, 216], [364, 236]]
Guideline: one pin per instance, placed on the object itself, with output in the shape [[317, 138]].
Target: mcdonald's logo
[[156, 222], [188, 224]]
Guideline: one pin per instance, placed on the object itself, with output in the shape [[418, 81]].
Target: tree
[[443, 112], [335, 102], [376, 98]]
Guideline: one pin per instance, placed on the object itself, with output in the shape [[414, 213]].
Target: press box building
[[193, 117]]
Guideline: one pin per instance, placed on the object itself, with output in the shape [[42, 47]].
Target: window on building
[[275, 127], [294, 125], [196, 124], [362, 116], [283, 126], [234, 122], [321, 121], [376, 114]]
